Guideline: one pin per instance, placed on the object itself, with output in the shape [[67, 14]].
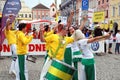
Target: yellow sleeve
[[45, 34], [49, 38], [51, 32], [15, 31], [48, 33], [25, 39], [69, 39]]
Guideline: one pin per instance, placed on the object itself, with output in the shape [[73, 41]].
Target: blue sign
[[85, 4], [95, 46]]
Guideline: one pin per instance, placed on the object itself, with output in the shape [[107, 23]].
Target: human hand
[[107, 36], [85, 18], [31, 33], [42, 28], [72, 12]]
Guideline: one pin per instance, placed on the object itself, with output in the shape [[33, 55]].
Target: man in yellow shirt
[[57, 44], [11, 38], [22, 43]]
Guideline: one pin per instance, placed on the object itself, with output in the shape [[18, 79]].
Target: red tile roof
[[40, 6]]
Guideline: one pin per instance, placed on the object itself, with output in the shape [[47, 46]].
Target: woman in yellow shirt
[[11, 38]]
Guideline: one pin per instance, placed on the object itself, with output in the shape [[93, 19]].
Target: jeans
[[117, 47]]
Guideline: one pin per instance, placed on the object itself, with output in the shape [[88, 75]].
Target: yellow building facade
[[25, 13], [114, 11]]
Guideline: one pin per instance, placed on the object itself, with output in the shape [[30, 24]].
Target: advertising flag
[[10, 11]]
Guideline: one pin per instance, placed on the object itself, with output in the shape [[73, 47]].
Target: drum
[[59, 71]]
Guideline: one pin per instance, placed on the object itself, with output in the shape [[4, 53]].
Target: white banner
[[36, 47], [97, 47]]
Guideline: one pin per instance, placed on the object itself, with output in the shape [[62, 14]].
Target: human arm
[[56, 27], [42, 34], [98, 38], [25, 39], [82, 25], [69, 21]]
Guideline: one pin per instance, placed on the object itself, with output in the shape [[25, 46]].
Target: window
[[113, 11], [21, 15], [25, 15], [53, 9], [29, 15], [106, 14], [46, 14], [42, 16], [39, 13], [42, 13], [39, 16], [0, 8], [98, 2], [119, 10], [102, 1], [34, 16]]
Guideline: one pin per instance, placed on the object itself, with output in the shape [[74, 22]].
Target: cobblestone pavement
[[107, 66]]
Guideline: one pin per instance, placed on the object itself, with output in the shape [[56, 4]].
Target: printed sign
[[98, 16], [97, 47]]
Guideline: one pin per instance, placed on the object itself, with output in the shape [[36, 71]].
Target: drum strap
[[54, 54]]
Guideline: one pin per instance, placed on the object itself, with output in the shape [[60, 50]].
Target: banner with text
[[10, 11], [98, 16], [36, 47]]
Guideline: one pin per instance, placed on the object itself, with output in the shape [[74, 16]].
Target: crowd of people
[[66, 46]]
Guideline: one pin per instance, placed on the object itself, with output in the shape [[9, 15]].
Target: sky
[[32, 3]]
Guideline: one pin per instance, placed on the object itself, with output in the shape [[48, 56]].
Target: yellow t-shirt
[[48, 34], [10, 36], [54, 41], [22, 42]]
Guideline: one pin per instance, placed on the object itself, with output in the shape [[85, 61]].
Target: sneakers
[[12, 72], [109, 52]]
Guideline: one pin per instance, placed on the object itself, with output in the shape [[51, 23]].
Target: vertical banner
[[10, 11]]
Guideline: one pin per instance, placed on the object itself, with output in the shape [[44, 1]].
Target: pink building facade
[[40, 12], [103, 5]]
